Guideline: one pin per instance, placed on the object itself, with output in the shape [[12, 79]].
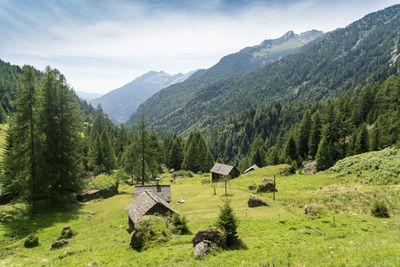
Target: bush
[[228, 222], [182, 173], [31, 241], [313, 210], [67, 233], [150, 231], [380, 210], [180, 225], [107, 185]]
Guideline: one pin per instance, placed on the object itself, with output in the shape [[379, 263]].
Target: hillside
[[9, 81], [120, 103], [340, 62], [246, 60], [279, 234]]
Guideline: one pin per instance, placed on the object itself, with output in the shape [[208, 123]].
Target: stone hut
[[252, 168], [221, 170], [162, 191], [147, 203]]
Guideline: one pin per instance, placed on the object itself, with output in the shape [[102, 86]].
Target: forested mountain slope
[[9, 81], [248, 59], [342, 60], [120, 103]]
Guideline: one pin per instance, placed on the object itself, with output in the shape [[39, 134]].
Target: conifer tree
[[228, 222], [304, 135], [197, 156], [315, 134], [375, 138], [142, 156], [20, 159], [291, 150], [175, 154], [362, 143], [324, 157]]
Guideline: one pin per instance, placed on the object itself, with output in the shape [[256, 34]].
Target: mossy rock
[[67, 233], [31, 241], [150, 231]]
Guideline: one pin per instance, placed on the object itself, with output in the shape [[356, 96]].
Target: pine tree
[[197, 156], [60, 150], [175, 154], [304, 135], [141, 157], [108, 153], [315, 134], [20, 158], [228, 222], [362, 143], [291, 150], [375, 138], [324, 157]]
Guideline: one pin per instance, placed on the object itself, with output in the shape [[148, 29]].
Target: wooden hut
[[221, 170], [147, 203], [252, 168]]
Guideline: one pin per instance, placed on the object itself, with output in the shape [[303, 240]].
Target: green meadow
[[280, 234]]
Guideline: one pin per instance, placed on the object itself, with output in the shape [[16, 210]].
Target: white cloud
[[103, 53]]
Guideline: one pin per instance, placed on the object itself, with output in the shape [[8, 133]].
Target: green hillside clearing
[[279, 234]]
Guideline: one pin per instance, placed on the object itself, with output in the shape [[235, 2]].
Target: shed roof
[[143, 203], [254, 167], [222, 169], [162, 191]]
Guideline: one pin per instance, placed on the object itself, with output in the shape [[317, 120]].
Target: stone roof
[[254, 167], [162, 191], [143, 203], [222, 169]]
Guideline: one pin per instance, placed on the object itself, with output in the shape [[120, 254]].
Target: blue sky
[[101, 45]]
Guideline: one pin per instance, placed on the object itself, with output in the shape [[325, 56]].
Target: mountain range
[[174, 98], [120, 103], [326, 67]]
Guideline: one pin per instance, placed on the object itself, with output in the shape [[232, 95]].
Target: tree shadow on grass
[[237, 245], [20, 221]]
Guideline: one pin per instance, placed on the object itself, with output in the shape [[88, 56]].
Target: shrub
[[180, 225], [182, 173], [380, 210], [67, 233], [107, 185], [228, 222], [313, 210], [31, 241], [150, 231]]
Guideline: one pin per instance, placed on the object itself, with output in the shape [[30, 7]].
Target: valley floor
[[280, 234]]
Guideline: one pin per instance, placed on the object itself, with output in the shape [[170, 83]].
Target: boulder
[[59, 243], [203, 248], [256, 202], [213, 234], [252, 187], [267, 185]]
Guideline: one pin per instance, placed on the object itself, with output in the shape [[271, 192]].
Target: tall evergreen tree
[[362, 143], [324, 157], [315, 134], [20, 158], [142, 156], [291, 150], [304, 135], [197, 155], [175, 154]]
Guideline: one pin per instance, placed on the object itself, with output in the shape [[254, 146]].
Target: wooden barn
[[221, 170], [147, 203], [252, 168]]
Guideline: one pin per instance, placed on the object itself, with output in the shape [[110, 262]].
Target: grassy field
[[279, 234]]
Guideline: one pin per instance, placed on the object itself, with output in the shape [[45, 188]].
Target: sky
[[101, 45]]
